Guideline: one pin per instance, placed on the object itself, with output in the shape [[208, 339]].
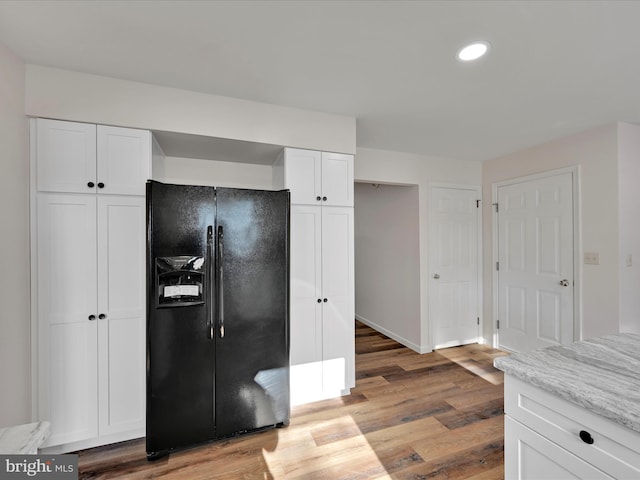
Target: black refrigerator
[[217, 313]]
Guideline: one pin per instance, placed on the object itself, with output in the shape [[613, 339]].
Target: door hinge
[[498, 266], [498, 324], [477, 203], [496, 205], [478, 320]]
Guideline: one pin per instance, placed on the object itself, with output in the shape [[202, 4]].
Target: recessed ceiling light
[[473, 51]]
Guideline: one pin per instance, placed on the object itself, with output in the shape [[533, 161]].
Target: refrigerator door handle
[[221, 280], [209, 280]]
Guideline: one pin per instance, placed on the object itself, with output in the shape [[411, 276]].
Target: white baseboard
[[416, 348]]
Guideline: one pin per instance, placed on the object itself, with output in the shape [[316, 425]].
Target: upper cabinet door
[[337, 179], [318, 178], [66, 156], [124, 160], [303, 176]]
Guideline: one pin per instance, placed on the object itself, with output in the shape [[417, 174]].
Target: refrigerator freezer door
[[180, 350], [252, 359]]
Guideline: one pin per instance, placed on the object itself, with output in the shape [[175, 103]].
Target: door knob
[[436, 276], [564, 282]]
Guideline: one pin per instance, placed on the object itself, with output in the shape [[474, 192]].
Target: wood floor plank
[[407, 433], [460, 465], [476, 396], [433, 447], [476, 413], [410, 416]]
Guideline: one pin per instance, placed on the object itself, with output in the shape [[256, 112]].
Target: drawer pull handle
[[586, 437]]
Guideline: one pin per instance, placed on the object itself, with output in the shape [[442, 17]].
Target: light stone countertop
[[600, 374], [24, 439]]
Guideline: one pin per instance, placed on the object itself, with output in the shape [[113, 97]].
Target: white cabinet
[[322, 317], [549, 437], [322, 272], [89, 288], [91, 314], [85, 158], [316, 178]]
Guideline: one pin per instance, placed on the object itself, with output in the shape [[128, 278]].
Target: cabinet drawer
[[529, 455], [615, 448]]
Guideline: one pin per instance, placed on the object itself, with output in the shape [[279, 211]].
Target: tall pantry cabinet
[[88, 280], [322, 272]]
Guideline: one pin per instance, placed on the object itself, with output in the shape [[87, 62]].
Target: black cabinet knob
[[91, 184], [102, 316], [92, 317], [325, 300], [318, 198], [324, 199], [586, 437], [319, 300], [100, 185]]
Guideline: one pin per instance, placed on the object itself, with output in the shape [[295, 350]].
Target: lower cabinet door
[[306, 311], [338, 317], [67, 316], [121, 313], [530, 456]]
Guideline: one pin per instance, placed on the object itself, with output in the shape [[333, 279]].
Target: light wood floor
[[438, 415]]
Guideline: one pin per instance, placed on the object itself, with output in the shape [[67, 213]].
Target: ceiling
[[555, 67]]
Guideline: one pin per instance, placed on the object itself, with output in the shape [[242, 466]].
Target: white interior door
[[453, 259], [535, 269]]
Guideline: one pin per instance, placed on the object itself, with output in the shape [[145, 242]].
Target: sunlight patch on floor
[[291, 459], [464, 356]]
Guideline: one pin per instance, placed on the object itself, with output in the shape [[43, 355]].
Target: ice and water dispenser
[[180, 280]]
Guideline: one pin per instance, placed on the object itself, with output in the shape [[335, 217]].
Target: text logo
[[52, 467]]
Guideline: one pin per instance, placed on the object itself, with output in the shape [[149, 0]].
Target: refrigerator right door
[[252, 310]]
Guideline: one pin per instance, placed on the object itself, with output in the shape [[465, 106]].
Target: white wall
[[67, 95], [595, 151], [15, 376], [192, 171], [380, 166], [629, 219], [387, 246]]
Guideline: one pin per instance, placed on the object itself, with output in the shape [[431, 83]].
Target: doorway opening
[[387, 260]]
